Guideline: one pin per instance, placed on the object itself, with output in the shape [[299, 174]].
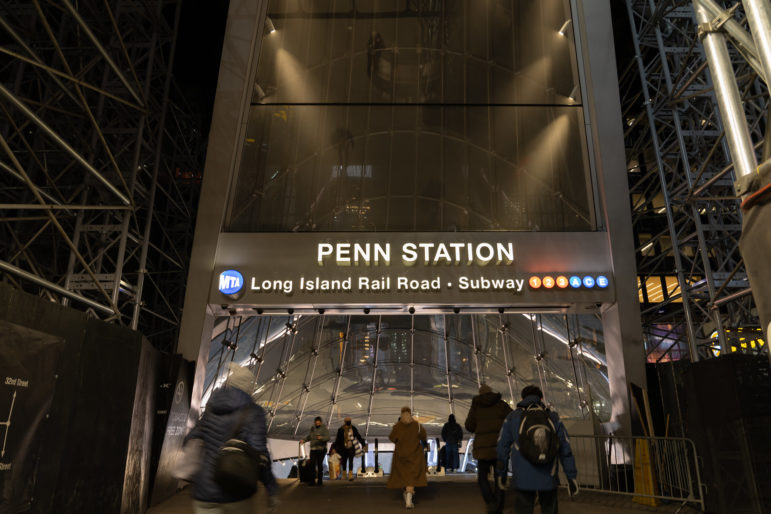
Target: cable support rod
[[310, 371], [339, 378], [283, 371], [503, 329], [412, 363], [447, 365], [374, 375], [261, 358], [477, 350]]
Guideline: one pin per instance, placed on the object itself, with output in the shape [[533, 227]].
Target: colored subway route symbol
[[575, 281]]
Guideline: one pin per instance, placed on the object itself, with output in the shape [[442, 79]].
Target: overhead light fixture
[[272, 28], [574, 93], [564, 28]]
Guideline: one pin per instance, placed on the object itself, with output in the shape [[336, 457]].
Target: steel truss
[[99, 159], [686, 213]]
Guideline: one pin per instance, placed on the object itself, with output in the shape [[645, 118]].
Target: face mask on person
[[348, 423]]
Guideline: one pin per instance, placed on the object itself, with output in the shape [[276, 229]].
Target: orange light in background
[[535, 282], [548, 282], [562, 282]]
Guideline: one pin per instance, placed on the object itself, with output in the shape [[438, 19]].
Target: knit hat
[[240, 377], [406, 409], [484, 388]]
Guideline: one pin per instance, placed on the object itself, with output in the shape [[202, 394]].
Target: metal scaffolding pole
[[727, 93], [759, 17]]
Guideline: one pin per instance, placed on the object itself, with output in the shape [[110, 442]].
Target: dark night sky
[[199, 45]]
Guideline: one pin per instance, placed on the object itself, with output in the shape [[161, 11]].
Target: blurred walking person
[[231, 415], [346, 443], [485, 418], [408, 468], [318, 437], [452, 435]]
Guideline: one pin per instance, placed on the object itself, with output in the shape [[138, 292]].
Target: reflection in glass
[[401, 115], [368, 367]]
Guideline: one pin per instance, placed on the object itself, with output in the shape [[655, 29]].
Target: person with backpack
[[484, 419], [231, 417], [408, 468], [452, 435], [537, 441], [318, 437], [348, 443]]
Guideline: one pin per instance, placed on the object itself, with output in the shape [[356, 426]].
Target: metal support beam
[[727, 93]]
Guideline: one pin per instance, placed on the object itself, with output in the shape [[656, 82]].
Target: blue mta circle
[[575, 282], [588, 281], [231, 282], [602, 281]]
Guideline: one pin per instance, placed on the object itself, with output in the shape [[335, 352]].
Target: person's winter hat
[[532, 390], [240, 377], [484, 388], [317, 418], [406, 409]]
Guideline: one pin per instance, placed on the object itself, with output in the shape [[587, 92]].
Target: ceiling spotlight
[[574, 93], [564, 28], [272, 28]]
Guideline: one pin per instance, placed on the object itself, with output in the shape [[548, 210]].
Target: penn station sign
[[473, 269]]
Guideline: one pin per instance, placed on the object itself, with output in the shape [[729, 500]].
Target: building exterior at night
[[405, 199]]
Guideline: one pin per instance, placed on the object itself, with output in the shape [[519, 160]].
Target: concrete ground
[[444, 495]]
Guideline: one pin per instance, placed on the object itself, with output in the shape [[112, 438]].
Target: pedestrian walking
[[408, 468], [231, 415], [537, 441], [318, 437], [348, 444], [452, 435], [485, 418]]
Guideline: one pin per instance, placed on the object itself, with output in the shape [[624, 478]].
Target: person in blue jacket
[[228, 407], [531, 480]]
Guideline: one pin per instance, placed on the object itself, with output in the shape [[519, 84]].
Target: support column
[[727, 93], [759, 16], [622, 326]]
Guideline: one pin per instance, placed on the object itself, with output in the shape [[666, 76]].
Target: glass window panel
[[566, 379]]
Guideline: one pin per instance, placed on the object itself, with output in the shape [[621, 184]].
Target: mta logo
[[231, 282]]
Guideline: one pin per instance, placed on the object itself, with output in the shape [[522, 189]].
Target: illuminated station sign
[[392, 269]]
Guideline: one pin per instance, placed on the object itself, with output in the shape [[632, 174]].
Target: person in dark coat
[[452, 435], [485, 418], [534, 480], [408, 469], [345, 446], [229, 407], [318, 436]]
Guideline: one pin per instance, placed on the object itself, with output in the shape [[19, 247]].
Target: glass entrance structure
[[434, 133]]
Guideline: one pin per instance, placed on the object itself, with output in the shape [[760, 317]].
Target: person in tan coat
[[408, 468]]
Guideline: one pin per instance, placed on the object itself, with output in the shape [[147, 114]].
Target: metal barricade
[[647, 468]]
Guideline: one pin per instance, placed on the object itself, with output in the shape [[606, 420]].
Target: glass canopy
[[368, 367]]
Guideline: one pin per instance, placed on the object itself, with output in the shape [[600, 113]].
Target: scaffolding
[[686, 213], [100, 160]]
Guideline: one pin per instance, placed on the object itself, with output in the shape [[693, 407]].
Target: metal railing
[[650, 469]]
